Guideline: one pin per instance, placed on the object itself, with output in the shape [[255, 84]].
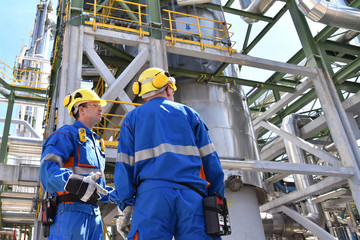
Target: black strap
[[192, 188], [184, 184], [74, 198]]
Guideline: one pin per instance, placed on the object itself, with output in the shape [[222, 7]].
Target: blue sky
[[16, 22]]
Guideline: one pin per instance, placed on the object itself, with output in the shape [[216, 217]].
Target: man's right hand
[[85, 187]]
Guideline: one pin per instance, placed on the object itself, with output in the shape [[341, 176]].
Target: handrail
[[105, 19], [19, 77], [110, 18], [109, 129], [199, 35]]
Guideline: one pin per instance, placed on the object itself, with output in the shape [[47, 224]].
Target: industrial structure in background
[[289, 146]]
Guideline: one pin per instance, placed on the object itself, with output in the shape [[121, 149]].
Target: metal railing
[[26, 78], [111, 16], [193, 29], [128, 20], [109, 128]]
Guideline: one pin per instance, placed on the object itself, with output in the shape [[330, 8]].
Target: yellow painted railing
[[108, 19], [24, 77], [109, 129], [197, 30], [202, 34]]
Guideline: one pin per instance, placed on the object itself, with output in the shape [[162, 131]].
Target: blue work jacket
[[162, 142], [65, 153]]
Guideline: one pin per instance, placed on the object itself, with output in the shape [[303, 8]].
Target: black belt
[[74, 198]]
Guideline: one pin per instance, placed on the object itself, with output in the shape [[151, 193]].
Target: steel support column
[[71, 66], [5, 136], [340, 128], [155, 18], [116, 90]]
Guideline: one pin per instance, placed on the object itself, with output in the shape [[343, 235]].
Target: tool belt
[[73, 198], [49, 208]]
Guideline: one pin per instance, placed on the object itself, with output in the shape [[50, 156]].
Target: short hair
[[76, 115]]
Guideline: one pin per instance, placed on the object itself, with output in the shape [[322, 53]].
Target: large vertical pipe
[[225, 112], [297, 155]]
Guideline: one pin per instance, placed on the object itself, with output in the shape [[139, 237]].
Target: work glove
[[85, 187], [123, 224]]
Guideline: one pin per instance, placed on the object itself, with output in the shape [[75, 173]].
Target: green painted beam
[[177, 72], [31, 99], [5, 136], [5, 84], [237, 12], [341, 75], [220, 69], [247, 36], [29, 90], [311, 50], [115, 51], [352, 87], [229, 2], [155, 18], [298, 57], [129, 11], [223, 79], [76, 8], [244, 82], [341, 47], [265, 30], [100, 6]]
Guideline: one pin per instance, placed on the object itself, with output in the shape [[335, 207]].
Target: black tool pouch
[[49, 209], [216, 212], [216, 215]]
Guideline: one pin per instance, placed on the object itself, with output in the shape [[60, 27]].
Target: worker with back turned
[[164, 147]]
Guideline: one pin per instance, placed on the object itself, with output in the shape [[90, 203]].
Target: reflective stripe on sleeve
[[165, 147], [207, 149], [85, 170], [125, 158], [53, 158]]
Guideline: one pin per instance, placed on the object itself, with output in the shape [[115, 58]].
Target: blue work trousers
[[164, 213], [70, 224]]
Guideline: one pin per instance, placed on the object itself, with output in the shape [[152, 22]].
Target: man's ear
[[168, 90]]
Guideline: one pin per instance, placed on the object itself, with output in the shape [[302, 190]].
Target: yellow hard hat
[[81, 95], [151, 80]]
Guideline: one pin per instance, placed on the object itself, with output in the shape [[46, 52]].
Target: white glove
[[123, 224], [85, 187]]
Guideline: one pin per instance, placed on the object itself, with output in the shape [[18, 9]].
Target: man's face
[[93, 111]]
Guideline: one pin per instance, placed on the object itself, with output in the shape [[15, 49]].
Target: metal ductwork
[[331, 14], [281, 225], [291, 124], [18, 217], [317, 10], [256, 6], [9, 232]]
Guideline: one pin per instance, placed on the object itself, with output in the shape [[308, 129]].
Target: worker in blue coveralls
[[161, 145], [72, 170]]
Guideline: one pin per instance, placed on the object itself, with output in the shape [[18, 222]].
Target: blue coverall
[[63, 154], [163, 142]]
